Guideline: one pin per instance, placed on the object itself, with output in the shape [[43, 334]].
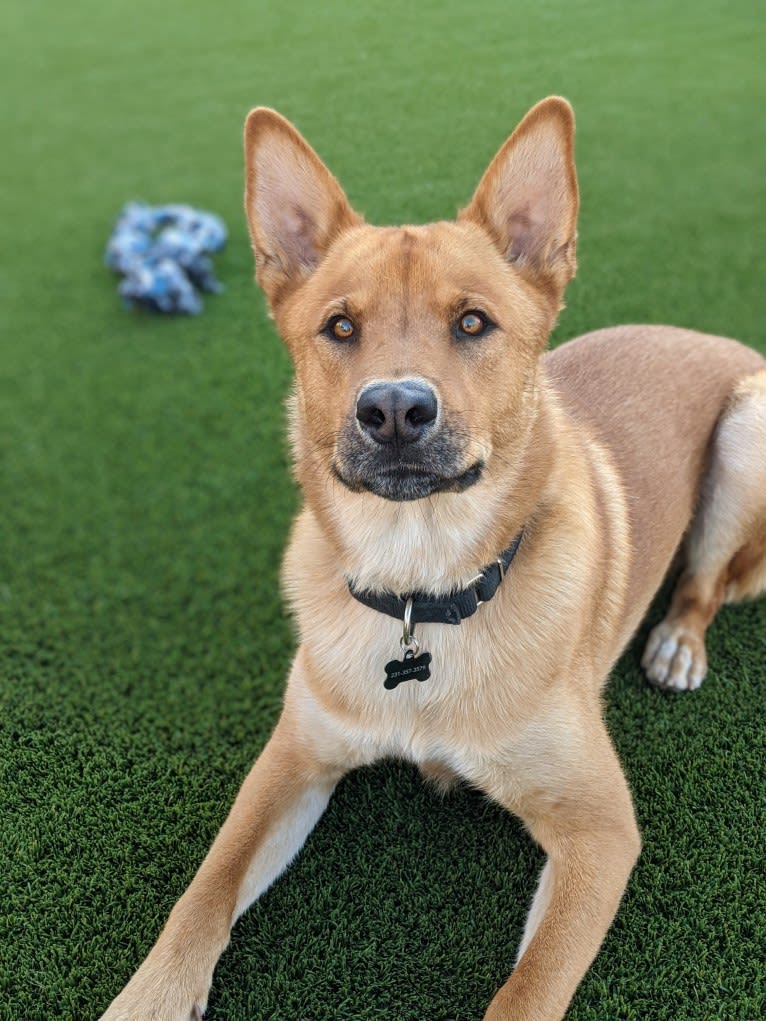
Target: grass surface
[[146, 498]]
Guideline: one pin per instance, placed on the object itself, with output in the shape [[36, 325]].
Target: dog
[[484, 527]]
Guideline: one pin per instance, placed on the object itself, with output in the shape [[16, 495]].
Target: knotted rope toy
[[162, 252]]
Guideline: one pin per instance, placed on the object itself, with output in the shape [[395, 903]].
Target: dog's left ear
[[527, 199], [295, 207]]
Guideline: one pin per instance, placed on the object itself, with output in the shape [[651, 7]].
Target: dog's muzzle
[[399, 445]]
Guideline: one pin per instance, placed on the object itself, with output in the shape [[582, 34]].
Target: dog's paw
[[154, 998], [675, 658], [127, 1009]]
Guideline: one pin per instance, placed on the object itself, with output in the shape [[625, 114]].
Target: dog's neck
[[433, 545], [439, 544]]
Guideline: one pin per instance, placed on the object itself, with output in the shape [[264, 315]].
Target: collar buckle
[[474, 584]]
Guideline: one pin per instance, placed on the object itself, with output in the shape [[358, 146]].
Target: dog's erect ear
[[527, 200], [295, 207]]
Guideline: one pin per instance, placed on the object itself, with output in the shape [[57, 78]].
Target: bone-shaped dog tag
[[411, 668]]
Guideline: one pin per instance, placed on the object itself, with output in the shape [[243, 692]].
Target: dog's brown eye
[[341, 328], [472, 324]]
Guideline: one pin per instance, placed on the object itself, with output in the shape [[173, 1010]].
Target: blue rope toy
[[162, 253]]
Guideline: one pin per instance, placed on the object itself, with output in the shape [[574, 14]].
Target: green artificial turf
[[146, 497]]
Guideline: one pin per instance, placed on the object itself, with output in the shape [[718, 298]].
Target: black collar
[[451, 609]]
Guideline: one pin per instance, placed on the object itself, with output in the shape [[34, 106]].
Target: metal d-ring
[[408, 639]]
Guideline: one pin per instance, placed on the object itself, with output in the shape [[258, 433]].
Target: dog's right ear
[[295, 207]]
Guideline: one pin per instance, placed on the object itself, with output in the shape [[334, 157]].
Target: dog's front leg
[[277, 806], [582, 814]]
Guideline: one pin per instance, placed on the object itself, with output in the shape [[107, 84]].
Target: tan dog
[[429, 434]]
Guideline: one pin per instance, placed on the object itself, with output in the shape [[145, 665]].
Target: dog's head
[[415, 348]]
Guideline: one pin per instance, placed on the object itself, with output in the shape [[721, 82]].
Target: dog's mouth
[[437, 461], [403, 481]]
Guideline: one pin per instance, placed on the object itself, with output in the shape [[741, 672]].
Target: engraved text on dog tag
[[411, 668]]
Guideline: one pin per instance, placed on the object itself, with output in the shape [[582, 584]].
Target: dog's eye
[[340, 328], [471, 324]]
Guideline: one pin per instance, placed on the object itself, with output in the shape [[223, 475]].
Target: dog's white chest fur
[[474, 708]]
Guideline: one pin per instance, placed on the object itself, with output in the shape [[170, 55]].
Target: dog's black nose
[[396, 412]]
